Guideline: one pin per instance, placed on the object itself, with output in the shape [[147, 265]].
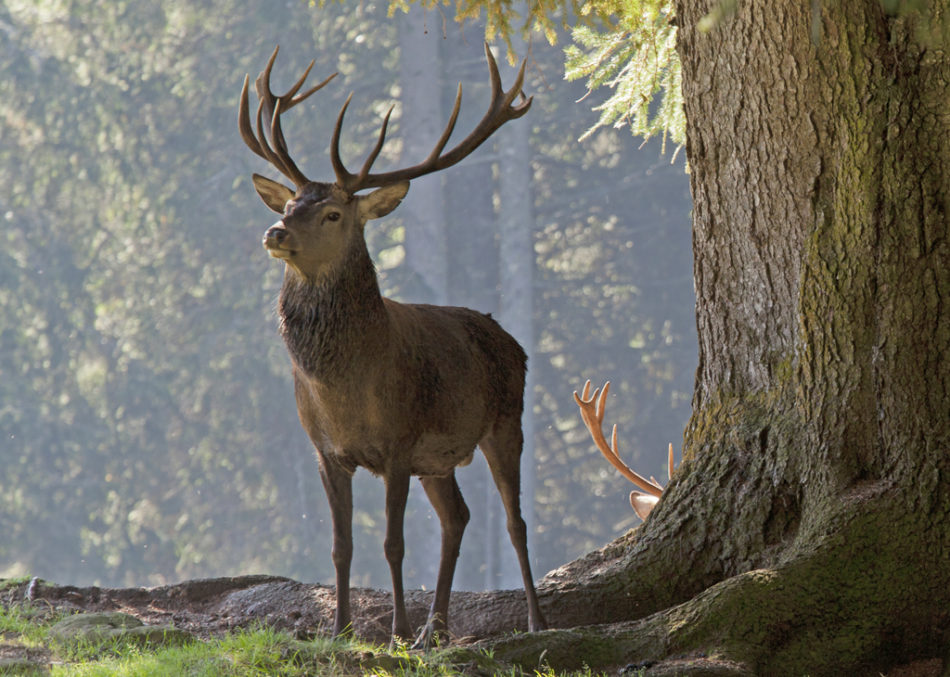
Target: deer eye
[[333, 216]]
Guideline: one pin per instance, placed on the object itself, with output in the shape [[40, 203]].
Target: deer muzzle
[[273, 240]]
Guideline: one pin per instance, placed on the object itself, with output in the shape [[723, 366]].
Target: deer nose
[[274, 235]]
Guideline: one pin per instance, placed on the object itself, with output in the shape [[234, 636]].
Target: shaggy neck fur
[[326, 322]]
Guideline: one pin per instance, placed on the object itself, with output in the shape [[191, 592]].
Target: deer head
[[320, 220], [592, 412]]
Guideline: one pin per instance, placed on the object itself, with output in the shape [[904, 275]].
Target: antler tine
[[602, 406], [244, 121], [493, 75], [280, 160], [498, 94], [344, 178], [669, 467], [669, 460], [592, 413], [499, 112], [289, 99], [364, 172], [273, 106], [449, 128]]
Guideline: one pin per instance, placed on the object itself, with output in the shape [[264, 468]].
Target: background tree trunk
[[808, 529], [516, 255], [421, 123]]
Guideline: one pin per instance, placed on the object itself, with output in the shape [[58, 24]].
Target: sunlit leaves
[[637, 61]]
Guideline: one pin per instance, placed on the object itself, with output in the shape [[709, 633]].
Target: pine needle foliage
[[636, 59]]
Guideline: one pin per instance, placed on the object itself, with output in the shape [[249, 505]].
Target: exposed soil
[[210, 607], [207, 607]]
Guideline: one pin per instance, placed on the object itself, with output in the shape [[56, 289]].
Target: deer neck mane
[[330, 323]]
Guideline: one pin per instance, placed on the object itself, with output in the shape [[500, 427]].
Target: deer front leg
[[446, 499], [397, 491], [338, 484]]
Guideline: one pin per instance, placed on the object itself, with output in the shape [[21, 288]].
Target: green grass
[[28, 624], [245, 653]]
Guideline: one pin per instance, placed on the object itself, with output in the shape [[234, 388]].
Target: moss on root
[[845, 603]]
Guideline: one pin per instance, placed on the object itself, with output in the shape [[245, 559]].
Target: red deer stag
[[399, 389], [593, 409]]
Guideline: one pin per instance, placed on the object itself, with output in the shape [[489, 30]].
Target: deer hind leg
[[338, 484], [502, 449], [394, 546], [446, 499]]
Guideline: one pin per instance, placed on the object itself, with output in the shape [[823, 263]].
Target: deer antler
[[592, 411], [500, 111], [273, 105]]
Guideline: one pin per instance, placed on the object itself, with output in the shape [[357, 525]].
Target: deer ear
[[642, 504], [275, 195], [383, 200]]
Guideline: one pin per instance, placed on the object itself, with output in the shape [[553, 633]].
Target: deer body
[[400, 389], [431, 380]]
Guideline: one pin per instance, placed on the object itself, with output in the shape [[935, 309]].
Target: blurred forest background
[[148, 432]]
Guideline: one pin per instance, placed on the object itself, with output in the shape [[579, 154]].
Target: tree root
[[859, 601]]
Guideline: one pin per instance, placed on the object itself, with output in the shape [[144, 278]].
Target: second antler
[[592, 410], [501, 109]]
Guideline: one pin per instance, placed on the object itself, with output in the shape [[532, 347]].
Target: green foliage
[[635, 58], [259, 651], [27, 623]]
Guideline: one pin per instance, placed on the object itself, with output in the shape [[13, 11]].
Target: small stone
[[92, 626]]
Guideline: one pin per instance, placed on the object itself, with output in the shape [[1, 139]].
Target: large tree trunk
[[808, 530]]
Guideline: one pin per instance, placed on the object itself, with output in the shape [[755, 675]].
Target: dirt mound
[[212, 606]]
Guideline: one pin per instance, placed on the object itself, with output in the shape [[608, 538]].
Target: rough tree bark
[[808, 529]]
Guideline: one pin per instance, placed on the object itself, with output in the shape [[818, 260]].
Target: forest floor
[[212, 609], [239, 623], [209, 609], [213, 606]]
